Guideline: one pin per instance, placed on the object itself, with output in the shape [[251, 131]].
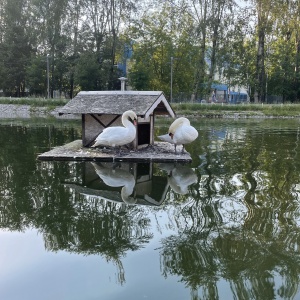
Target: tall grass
[[35, 102], [250, 109], [184, 108]]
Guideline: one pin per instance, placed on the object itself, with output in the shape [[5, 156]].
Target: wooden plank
[[159, 152]]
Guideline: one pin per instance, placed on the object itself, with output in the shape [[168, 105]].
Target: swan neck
[[126, 122], [178, 123]]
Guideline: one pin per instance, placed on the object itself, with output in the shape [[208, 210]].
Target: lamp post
[[123, 79], [171, 93], [48, 81]]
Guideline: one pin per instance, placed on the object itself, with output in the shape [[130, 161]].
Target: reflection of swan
[[180, 133], [180, 177], [117, 178], [118, 135]]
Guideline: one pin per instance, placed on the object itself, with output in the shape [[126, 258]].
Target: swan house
[[102, 109]]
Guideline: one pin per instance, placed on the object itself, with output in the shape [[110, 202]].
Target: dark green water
[[224, 227]]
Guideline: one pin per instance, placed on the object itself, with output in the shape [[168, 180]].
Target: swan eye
[[132, 120]]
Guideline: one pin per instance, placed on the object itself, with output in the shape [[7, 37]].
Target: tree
[[161, 39], [152, 50], [87, 72], [103, 26], [36, 74], [15, 47], [236, 58], [49, 18], [220, 19], [200, 13]]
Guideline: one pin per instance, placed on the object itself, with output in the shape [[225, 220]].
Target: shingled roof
[[143, 103]]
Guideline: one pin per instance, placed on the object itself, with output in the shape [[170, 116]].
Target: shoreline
[[19, 111]]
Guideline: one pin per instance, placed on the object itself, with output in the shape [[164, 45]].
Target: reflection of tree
[[19, 180], [242, 224], [249, 264], [96, 228], [91, 226], [32, 194], [237, 224]]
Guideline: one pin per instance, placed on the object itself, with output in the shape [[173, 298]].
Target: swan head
[[129, 200], [130, 116]]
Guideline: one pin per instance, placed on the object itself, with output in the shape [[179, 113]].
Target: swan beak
[[171, 135], [134, 122]]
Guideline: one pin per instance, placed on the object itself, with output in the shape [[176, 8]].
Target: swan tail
[[166, 138], [95, 144]]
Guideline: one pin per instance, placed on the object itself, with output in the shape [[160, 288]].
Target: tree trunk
[[297, 69], [217, 15], [260, 66], [263, 8], [200, 70]]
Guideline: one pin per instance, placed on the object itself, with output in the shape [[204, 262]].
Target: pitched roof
[[143, 103]]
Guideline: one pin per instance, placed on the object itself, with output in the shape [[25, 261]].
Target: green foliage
[[210, 41], [15, 47], [87, 72], [163, 38], [36, 73], [71, 33], [139, 79]]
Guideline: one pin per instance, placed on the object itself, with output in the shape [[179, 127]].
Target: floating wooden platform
[[74, 151]]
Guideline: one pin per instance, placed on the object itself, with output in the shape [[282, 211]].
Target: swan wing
[[181, 179], [185, 134], [175, 186], [113, 178], [184, 175], [116, 136], [178, 123]]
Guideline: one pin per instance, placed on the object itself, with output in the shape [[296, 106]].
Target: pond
[[225, 226]]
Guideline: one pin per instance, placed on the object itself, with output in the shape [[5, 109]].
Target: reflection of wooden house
[[148, 189], [101, 109]]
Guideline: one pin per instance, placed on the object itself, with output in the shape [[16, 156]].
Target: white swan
[[118, 135], [117, 178], [180, 133], [179, 177]]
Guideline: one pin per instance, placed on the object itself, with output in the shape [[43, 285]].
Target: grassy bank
[[275, 110], [34, 102], [197, 109]]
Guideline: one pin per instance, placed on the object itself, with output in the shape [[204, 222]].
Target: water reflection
[[134, 183], [180, 177], [253, 267], [105, 221], [229, 224], [115, 176]]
